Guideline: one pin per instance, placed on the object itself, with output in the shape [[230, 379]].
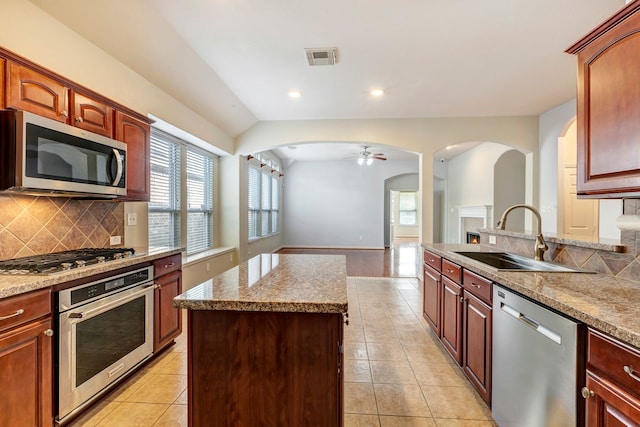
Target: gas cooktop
[[62, 261]]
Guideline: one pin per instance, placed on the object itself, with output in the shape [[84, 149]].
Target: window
[[171, 159], [264, 196], [407, 208]]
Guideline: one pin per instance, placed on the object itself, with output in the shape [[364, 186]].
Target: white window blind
[[199, 200], [407, 208], [264, 196], [164, 203]]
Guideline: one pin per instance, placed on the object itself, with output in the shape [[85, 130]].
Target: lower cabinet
[[26, 375], [451, 328], [477, 344], [168, 319], [432, 298], [613, 382]]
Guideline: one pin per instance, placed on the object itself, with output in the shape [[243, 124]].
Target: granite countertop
[[603, 302], [274, 282], [11, 285]]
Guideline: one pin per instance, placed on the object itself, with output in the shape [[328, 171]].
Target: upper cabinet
[[137, 135], [92, 115], [609, 107], [2, 62], [32, 91]]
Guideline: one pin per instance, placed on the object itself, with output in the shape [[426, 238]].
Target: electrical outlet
[[115, 240], [132, 218], [492, 240], [208, 267]]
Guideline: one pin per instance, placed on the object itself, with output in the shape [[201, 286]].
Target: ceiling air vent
[[322, 56]]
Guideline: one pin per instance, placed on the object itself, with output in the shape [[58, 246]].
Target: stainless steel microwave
[[39, 155]]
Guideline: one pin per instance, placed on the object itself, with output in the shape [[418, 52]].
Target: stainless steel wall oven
[[105, 329]]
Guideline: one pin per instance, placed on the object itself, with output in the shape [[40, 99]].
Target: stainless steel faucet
[[541, 245]]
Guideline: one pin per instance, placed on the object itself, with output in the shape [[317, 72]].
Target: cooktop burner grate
[[62, 261]]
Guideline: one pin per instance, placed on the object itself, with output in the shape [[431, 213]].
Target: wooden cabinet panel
[[608, 107], [619, 362], [136, 134], [477, 344], [609, 405], [168, 319], [167, 265], [433, 260], [26, 376], [2, 82], [451, 318], [264, 368], [20, 309], [92, 115], [34, 92], [452, 271], [432, 298], [478, 285]]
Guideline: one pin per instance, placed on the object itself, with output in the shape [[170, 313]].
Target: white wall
[[337, 203], [509, 189], [470, 178]]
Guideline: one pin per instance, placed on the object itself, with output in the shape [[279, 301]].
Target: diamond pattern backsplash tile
[[36, 225]]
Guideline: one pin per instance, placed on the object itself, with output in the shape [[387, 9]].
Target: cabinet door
[[2, 82], [477, 344], [26, 376], [136, 134], [432, 298], [34, 92], [451, 327], [609, 405], [168, 319], [92, 115], [608, 110]]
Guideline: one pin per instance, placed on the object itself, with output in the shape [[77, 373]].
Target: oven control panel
[[78, 295]]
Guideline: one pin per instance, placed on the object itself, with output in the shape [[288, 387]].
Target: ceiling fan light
[[360, 161], [369, 161]]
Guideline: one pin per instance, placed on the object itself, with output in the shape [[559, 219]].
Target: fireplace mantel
[[480, 211]]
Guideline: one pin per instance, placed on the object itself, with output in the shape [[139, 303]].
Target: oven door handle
[[104, 307]]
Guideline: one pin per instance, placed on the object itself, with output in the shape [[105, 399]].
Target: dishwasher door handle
[[533, 324]]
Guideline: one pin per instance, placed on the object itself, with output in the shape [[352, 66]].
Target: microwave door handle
[[116, 180]]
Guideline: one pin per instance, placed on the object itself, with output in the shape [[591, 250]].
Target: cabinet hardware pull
[[629, 371], [431, 260], [48, 332], [461, 299], [449, 271], [16, 314], [169, 265], [476, 286], [64, 114], [586, 393], [79, 120]]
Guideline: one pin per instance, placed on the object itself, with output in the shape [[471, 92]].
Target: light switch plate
[[132, 218], [492, 240], [115, 240]]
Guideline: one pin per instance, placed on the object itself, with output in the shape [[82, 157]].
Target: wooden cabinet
[[168, 319], [29, 90], [451, 327], [137, 135], [2, 82], [608, 104], [92, 115], [26, 360], [476, 344], [250, 368], [613, 382], [432, 298], [477, 332]]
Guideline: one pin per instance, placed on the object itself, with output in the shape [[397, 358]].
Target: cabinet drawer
[[615, 360], [452, 271], [17, 310], [167, 265], [477, 285], [433, 260]]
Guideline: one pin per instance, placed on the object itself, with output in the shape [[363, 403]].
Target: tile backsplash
[[35, 225]]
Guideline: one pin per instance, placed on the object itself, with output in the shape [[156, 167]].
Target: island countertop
[[274, 282]]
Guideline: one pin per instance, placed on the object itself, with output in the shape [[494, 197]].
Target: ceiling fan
[[367, 157]]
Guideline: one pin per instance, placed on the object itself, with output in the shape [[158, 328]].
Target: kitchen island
[[265, 343]]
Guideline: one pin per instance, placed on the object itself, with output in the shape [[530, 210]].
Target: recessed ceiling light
[[295, 93], [377, 92], [448, 147]]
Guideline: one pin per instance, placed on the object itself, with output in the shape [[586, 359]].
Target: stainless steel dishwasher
[[538, 364]]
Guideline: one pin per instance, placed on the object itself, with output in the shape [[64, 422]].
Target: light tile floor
[[396, 372]]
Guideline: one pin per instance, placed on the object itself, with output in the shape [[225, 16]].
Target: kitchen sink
[[504, 261]]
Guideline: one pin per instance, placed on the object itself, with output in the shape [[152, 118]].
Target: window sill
[[255, 239], [205, 254]]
